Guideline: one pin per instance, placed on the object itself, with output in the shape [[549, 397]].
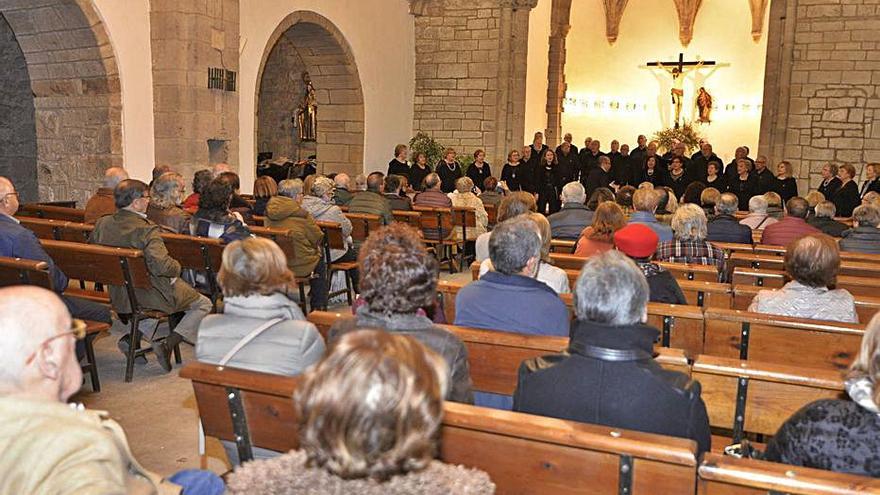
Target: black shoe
[[123, 345], [163, 353]]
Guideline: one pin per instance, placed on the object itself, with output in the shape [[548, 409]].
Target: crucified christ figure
[[678, 70]]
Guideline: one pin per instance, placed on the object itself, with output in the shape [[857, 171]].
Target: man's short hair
[[490, 183], [758, 204], [230, 178], [432, 180], [603, 159], [375, 181], [127, 191], [290, 188], [574, 192], [392, 183], [158, 170], [826, 209], [867, 215], [645, 200], [813, 260], [201, 180], [342, 180], [797, 207], [513, 243], [612, 290], [727, 204]]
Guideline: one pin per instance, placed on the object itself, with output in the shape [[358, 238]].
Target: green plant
[[687, 133], [466, 161], [423, 143]]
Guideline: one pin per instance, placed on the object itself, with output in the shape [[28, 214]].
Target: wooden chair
[[111, 266], [680, 326], [362, 224], [52, 212], [769, 339], [438, 229], [866, 306], [17, 271], [706, 294], [755, 397], [685, 271], [521, 453], [202, 254], [410, 218], [724, 475], [333, 239], [282, 237]]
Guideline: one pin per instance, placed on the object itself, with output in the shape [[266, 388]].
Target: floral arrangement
[[686, 133], [423, 143]]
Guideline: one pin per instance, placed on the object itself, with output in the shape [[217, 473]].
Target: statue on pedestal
[[305, 119], [704, 105]]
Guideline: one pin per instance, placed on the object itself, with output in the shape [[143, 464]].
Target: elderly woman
[[200, 181], [864, 237], [758, 218], [398, 282], [369, 417], [830, 182], [774, 205], [847, 196], [823, 219], [813, 263], [516, 203], [464, 197], [599, 236], [839, 435], [690, 244], [449, 171], [255, 282], [786, 184], [639, 242], [608, 375], [319, 203], [165, 196], [708, 199], [813, 198], [213, 219], [264, 188]]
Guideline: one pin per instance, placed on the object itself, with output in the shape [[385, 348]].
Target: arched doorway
[[72, 84], [308, 42]]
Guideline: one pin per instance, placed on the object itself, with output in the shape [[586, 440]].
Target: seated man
[[342, 196], [491, 194], [574, 217], [608, 375], [645, 203], [372, 201], [823, 219], [725, 227], [864, 237], [511, 298], [433, 197], [101, 203], [49, 446], [792, 227], [758, 218], [397, 201], [129, 228], [19, 242]]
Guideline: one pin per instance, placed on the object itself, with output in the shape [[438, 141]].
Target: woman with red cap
[[639, 242]]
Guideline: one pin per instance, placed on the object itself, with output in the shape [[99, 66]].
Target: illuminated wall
[[536, 70], [610, 96]]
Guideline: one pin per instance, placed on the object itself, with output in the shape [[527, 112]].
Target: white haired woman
[[690, 245]]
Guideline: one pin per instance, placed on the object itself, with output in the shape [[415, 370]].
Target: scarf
[[861, 391]]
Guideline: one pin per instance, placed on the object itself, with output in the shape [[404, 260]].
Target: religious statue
[[704, 105], [678, 70], [305, 119]]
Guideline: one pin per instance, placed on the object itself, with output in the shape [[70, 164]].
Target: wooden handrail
[[779, 373]]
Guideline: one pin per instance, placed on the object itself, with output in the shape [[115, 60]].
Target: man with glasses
[[129, 228], [19, 242]]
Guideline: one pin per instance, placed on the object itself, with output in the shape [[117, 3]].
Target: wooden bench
[[681, 326], [853, 268], [733, 247], [866, 306], [202, 254], [521, 453], [723, 475], [411, 218], [52, 212], [774, 279], [60, 230], [687, 271], [561, 246], [362, 224], [781, 340], [567, 261], [706, 294]]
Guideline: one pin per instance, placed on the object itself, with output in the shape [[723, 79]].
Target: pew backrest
[[410, 218], [362, 224], [866, 306], [687, 271], [18, 271], [53, 212]]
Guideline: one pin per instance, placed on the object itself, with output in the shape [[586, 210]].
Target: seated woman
[[515, 203], [166, 194], [264, 188], [813, 263], [708, 198], [690, 245], [463, 196], [598, 237], [774, 205], [398, 282], [369, 415], [839, 435], [255, 281], [639, 242], [214, 219]]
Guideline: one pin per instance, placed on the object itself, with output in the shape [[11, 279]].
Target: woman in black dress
[[830, 183], [419, 170], [479, 171], [714, 177], [652, 172], [743, 185], [398, 165], [449, 171], [786, 185], [549, 183], [846, 199], [514, 175]]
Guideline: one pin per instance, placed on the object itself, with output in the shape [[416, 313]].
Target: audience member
[[599, 236], [624, 198], [237, 203], [823, 219], [260, 329], [774, 205], [793, 226], [393, 193], [813, 198], [574, 217], [398, 284], [725, 227], [692, 193], [864, 237], [600, 196], [690, 244], [758, 219], [360, 183], [491, 196], [369, 418], [639, 242], [158, 170], [166, 195], [830, 183], [608, 375], [515, 203], [840, 435], [102, 203], [872, 198], [264, 188], [129, 228], [372, 201], [645, 204], [464, 197], [220, 168], [813, 262], [201, 179], [319, 204], [214, 218], [708, 199], [666, 205], [342, 196], [510, 298], [284, 211]]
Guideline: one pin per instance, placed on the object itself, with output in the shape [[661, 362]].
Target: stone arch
[[74, 83], [306, 41]]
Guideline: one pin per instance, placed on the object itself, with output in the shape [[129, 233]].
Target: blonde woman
[[786, 185], [690, 245]]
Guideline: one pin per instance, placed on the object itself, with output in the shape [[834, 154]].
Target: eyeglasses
[[77, 329], [10, 194]]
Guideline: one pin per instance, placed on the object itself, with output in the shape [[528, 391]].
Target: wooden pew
[[334, 239], [681, 327], [723, 475], [773, 279], [522, 453], [60, 230], [201, 254], [706, 294], [756, 397], [410, 218], [866, 306], [567, 261], [853, 268], [781, 340], [52, 212], [685, 271], [733, 247], [561, 246]]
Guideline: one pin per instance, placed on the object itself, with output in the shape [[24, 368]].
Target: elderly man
[[758, 218], [765, 181], [725, 227], [589, 159], [600, 176], [396, 200], [101, 203], [645, 204], [700, 161], [343, 195], [49, 446], [574, 217], [510, 298], [129, 228], [824, 220], [864, 237], [608, 375], [792, 226], [372, 200]]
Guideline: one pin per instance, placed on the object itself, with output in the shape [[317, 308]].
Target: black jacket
[[417, 176], [662, 285], [448, 176], [830, 188], [518, 178], [726, 228], [787, 188], [765, 181], [478, 175], [846, 199], [658, 178], [744, 190], [827, 225], [598, 178], [609, 377], [700, 164], [397, 168], [719, 183], [680, 184], [868, 186], [588, 161], [862, 239]]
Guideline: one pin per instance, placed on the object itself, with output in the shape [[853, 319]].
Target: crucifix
[[678, 69]]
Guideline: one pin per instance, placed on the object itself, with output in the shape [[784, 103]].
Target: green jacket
[[285, 213], [373, 204]]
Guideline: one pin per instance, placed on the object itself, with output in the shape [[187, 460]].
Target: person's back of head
[[216, 198], [871, 198], [693, 192], [265, 187], [600, 195], [514, 244], [220, 168], [689, 223], [128, 191], [758, 204], [232, 179], [360, 182], [727, 204], [516, 203], [671, 200], [866, 366], [342, 181], [797, 207], [490, 183], [709, 197], [866, 216], [113, 176], [158, 170], [375, 182], [611, 290], [432, 182], [201, 179], [645, 200], [323, 187], [290, 188], [813, 260], [546, 233], [774, 200], [663, 197], [464, 185], [636, 240], [814, 197], [392, 184], [609, 218], [826, 209], [624, 196], [167, 190], [253, 266]]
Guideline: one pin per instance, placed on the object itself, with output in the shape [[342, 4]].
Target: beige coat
[[51, 448], [471, 200]]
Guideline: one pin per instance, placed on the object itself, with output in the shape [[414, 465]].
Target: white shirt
[[553, 276]]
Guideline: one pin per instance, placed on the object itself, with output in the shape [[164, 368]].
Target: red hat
[[636, 240]]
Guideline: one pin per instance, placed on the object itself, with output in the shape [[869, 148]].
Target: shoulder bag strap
[[247, 339]]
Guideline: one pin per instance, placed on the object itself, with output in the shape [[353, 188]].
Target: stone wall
[[18, 132], [822, 85], [188, 37], [471, 58], [281, 88]]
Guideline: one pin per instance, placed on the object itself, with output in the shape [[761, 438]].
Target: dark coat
[[342, 196], [828, 225], [700, 164], [867, 186], [448, 176], [719, 183], [765, 181], [478, 175], [658, 178], [678, 184], [570, 221], [743, 189], [830, 188], [20, 242], [726, 228], [786, 188], [417, 176], [862, 239], [846, 199], [517, 178], [397, 168], [662, 285], [598, 178], [588, 161], [398, 202], [609, 377]]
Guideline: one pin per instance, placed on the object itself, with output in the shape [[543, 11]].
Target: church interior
[[440, 246]]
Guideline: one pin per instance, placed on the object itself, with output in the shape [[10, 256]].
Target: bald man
[[19, 242], [47, 446], [220, 168], [102, 202], [343, 189]]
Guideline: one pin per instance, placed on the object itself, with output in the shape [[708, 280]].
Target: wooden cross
[[680, 64]]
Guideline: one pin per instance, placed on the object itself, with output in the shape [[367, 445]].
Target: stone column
[[559, 28]]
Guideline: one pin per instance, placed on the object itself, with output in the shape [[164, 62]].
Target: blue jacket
[[19, 242], [512, 303], [726, 228], [664, 232]]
